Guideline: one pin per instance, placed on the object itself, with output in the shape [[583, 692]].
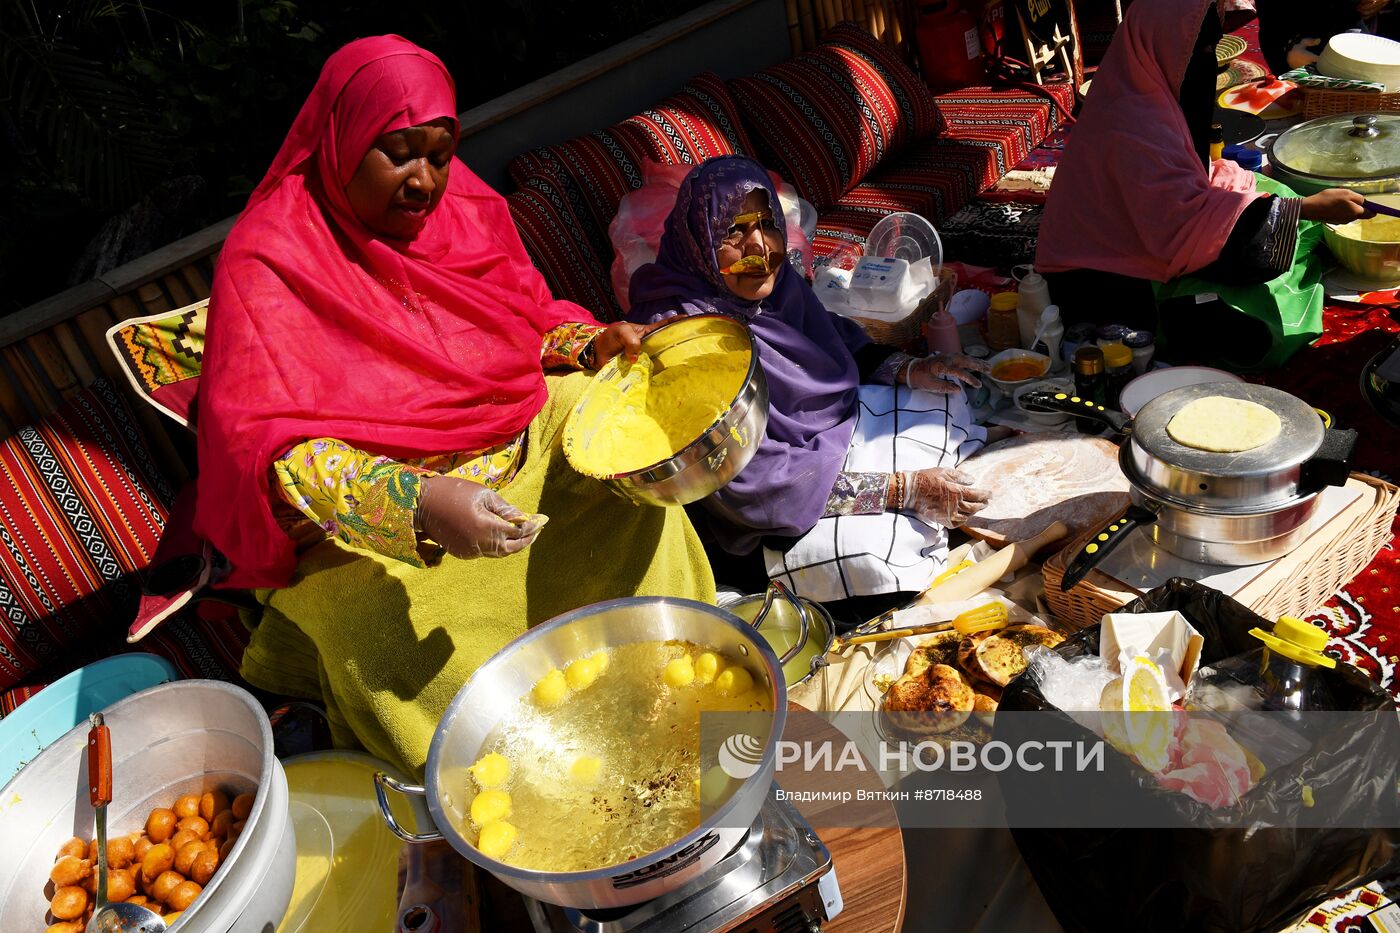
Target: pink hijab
[[319, 327], [1131, 195]]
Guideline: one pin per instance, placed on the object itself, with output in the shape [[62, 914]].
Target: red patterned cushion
[[565, 251], [696, 123], [989, 133], [825, 119], [82, 506]]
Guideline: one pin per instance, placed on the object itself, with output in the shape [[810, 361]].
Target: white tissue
[[890, 287]]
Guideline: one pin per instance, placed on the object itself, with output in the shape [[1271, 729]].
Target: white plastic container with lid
[[1033, 297]]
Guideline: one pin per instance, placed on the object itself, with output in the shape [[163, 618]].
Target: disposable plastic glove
[[941, 374], [942, 496], [470, 520]]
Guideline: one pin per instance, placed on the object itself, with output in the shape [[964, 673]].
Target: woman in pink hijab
[[1137, 200], [375, 384]]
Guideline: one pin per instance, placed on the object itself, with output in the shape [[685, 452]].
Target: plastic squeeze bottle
[[1032, 298], [942, 333], [1049, 335], [1262, 695]]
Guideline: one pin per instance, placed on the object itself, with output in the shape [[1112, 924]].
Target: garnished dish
[[625, 792], [163, 867]]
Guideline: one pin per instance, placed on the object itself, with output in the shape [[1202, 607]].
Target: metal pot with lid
[[1360, 151], [1221, 508]]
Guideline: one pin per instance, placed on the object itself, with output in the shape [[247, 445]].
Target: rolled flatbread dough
[[1224, 425]]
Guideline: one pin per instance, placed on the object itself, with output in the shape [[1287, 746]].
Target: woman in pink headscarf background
[[374, 381], [1136, 199]]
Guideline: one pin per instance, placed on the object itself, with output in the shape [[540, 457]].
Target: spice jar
[[1003, 327], [1089, 384], [1118, 372], [1111, 333], [1140, 342]]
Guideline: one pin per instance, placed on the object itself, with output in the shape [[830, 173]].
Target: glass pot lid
[[1344, 145]]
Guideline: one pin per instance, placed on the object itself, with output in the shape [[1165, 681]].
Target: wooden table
[[870, 868]]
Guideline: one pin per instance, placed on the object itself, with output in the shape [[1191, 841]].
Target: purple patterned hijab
[[804, 349]]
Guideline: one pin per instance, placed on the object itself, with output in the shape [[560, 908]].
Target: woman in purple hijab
[[723, 251]]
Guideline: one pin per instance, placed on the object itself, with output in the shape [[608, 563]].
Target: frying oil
[[612, 772]]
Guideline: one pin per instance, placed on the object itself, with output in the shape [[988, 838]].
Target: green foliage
[[102, 100]]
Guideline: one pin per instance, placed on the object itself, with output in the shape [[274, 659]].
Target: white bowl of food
[[1011, 369], [1047, 385]]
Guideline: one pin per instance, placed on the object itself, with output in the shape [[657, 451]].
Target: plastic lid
[[1346, 145], [1137, 339], [1114, 332], [347, 859], [905, 236], [1116, 356], [1004, 301], [1298, 641]]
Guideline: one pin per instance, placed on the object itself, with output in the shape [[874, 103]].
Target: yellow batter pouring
[[636, 421]]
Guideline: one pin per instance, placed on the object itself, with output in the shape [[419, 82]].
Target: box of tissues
[[881, 288]]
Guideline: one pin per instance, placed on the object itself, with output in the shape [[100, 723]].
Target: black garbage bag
[[1227, 879]]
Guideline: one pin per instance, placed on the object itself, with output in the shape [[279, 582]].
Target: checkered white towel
[[866, 555]]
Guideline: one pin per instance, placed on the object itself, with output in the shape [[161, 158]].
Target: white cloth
[[867, 555]]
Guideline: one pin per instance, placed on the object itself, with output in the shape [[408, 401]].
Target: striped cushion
[[82, 507], [825, 119], [989, 133], [565, 251], [696, 123]]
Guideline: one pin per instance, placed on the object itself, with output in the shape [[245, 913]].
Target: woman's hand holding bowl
[[942, 373], [470, 520]]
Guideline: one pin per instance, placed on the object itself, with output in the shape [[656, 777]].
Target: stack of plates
[[1362, 57]]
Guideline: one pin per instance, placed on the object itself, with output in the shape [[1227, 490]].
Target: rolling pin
[[983, 574]]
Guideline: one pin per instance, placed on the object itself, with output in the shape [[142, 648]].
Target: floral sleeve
[[564, 346], [365, 500]]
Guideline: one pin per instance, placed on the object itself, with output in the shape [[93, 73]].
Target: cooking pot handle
[[1331, 465], [774, 589], [1103, 543], [1045, 400], [383, 781]]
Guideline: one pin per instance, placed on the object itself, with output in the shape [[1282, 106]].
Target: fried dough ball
[[121, 885], [226, 848], [68, 903], [194, 824], [160, 825], [185, 857], [171, 917], [496, 838], [242, 806], [212, 803], [159, 859], [74, 847], [205, 864], [70, 870], [188, 805], [120, 852], [65, 926], [220, 824], [165, 885], [141, 847], [183, 896]]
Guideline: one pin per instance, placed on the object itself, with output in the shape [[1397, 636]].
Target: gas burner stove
[[779, 879]]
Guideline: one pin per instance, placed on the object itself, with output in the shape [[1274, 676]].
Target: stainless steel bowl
[[727, 446], [1232, 539], [491, 694], [1375, 261]]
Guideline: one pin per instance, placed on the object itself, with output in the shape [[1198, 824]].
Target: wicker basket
[[1293, 587], [1321, 101], [904, 332]]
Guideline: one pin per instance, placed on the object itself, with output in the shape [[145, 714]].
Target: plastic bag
[[1222, 879], [641, 216]]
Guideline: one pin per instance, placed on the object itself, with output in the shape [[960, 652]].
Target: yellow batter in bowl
[[635, 415]]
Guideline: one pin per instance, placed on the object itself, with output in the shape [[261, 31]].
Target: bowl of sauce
[[1014, 368]]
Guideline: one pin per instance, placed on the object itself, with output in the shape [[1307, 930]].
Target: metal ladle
[[110, 918]]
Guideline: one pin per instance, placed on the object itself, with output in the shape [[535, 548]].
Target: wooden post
[[794, 27]]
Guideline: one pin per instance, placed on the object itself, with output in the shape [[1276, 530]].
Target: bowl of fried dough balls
[[198, 829]]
